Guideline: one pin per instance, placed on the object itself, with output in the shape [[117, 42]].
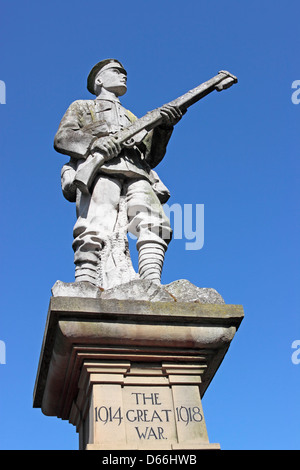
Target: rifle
[[137, 131]]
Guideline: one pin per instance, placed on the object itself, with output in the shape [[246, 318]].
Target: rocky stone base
[[139, 289]]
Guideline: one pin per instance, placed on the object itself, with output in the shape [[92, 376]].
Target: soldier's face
[[114, 80]]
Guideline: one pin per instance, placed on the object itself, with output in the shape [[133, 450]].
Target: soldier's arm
[[156, 145], [157, 140], [70, 138]]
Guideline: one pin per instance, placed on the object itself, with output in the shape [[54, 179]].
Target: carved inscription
[[148, 416], [189, 414], [154, 417]]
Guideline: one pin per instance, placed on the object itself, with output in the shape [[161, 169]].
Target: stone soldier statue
[[126, 194]]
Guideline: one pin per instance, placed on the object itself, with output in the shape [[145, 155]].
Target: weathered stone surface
[[141, 289], [75, 289], [184, 291]]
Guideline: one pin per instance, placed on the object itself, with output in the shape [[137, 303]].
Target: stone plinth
[[130, 374]]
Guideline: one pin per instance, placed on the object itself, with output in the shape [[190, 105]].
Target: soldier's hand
[[107, 146], [171, 115]]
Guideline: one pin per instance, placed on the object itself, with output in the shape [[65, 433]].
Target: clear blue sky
[[236, 152]]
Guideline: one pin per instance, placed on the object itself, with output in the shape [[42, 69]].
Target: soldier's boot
[[86, 272], [151, 259]]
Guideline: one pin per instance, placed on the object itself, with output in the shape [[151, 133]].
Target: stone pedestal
[[130, 374]]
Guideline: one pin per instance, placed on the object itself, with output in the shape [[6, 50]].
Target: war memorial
[[125, 359]]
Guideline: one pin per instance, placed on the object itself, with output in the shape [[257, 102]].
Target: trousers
[[97, 217]]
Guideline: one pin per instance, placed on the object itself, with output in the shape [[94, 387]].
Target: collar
[[117, 101]]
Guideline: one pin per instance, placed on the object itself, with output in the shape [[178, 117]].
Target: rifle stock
[[135, 133], [87, 171]]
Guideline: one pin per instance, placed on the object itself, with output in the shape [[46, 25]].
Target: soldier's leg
[[97, 215], [149, 223]]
